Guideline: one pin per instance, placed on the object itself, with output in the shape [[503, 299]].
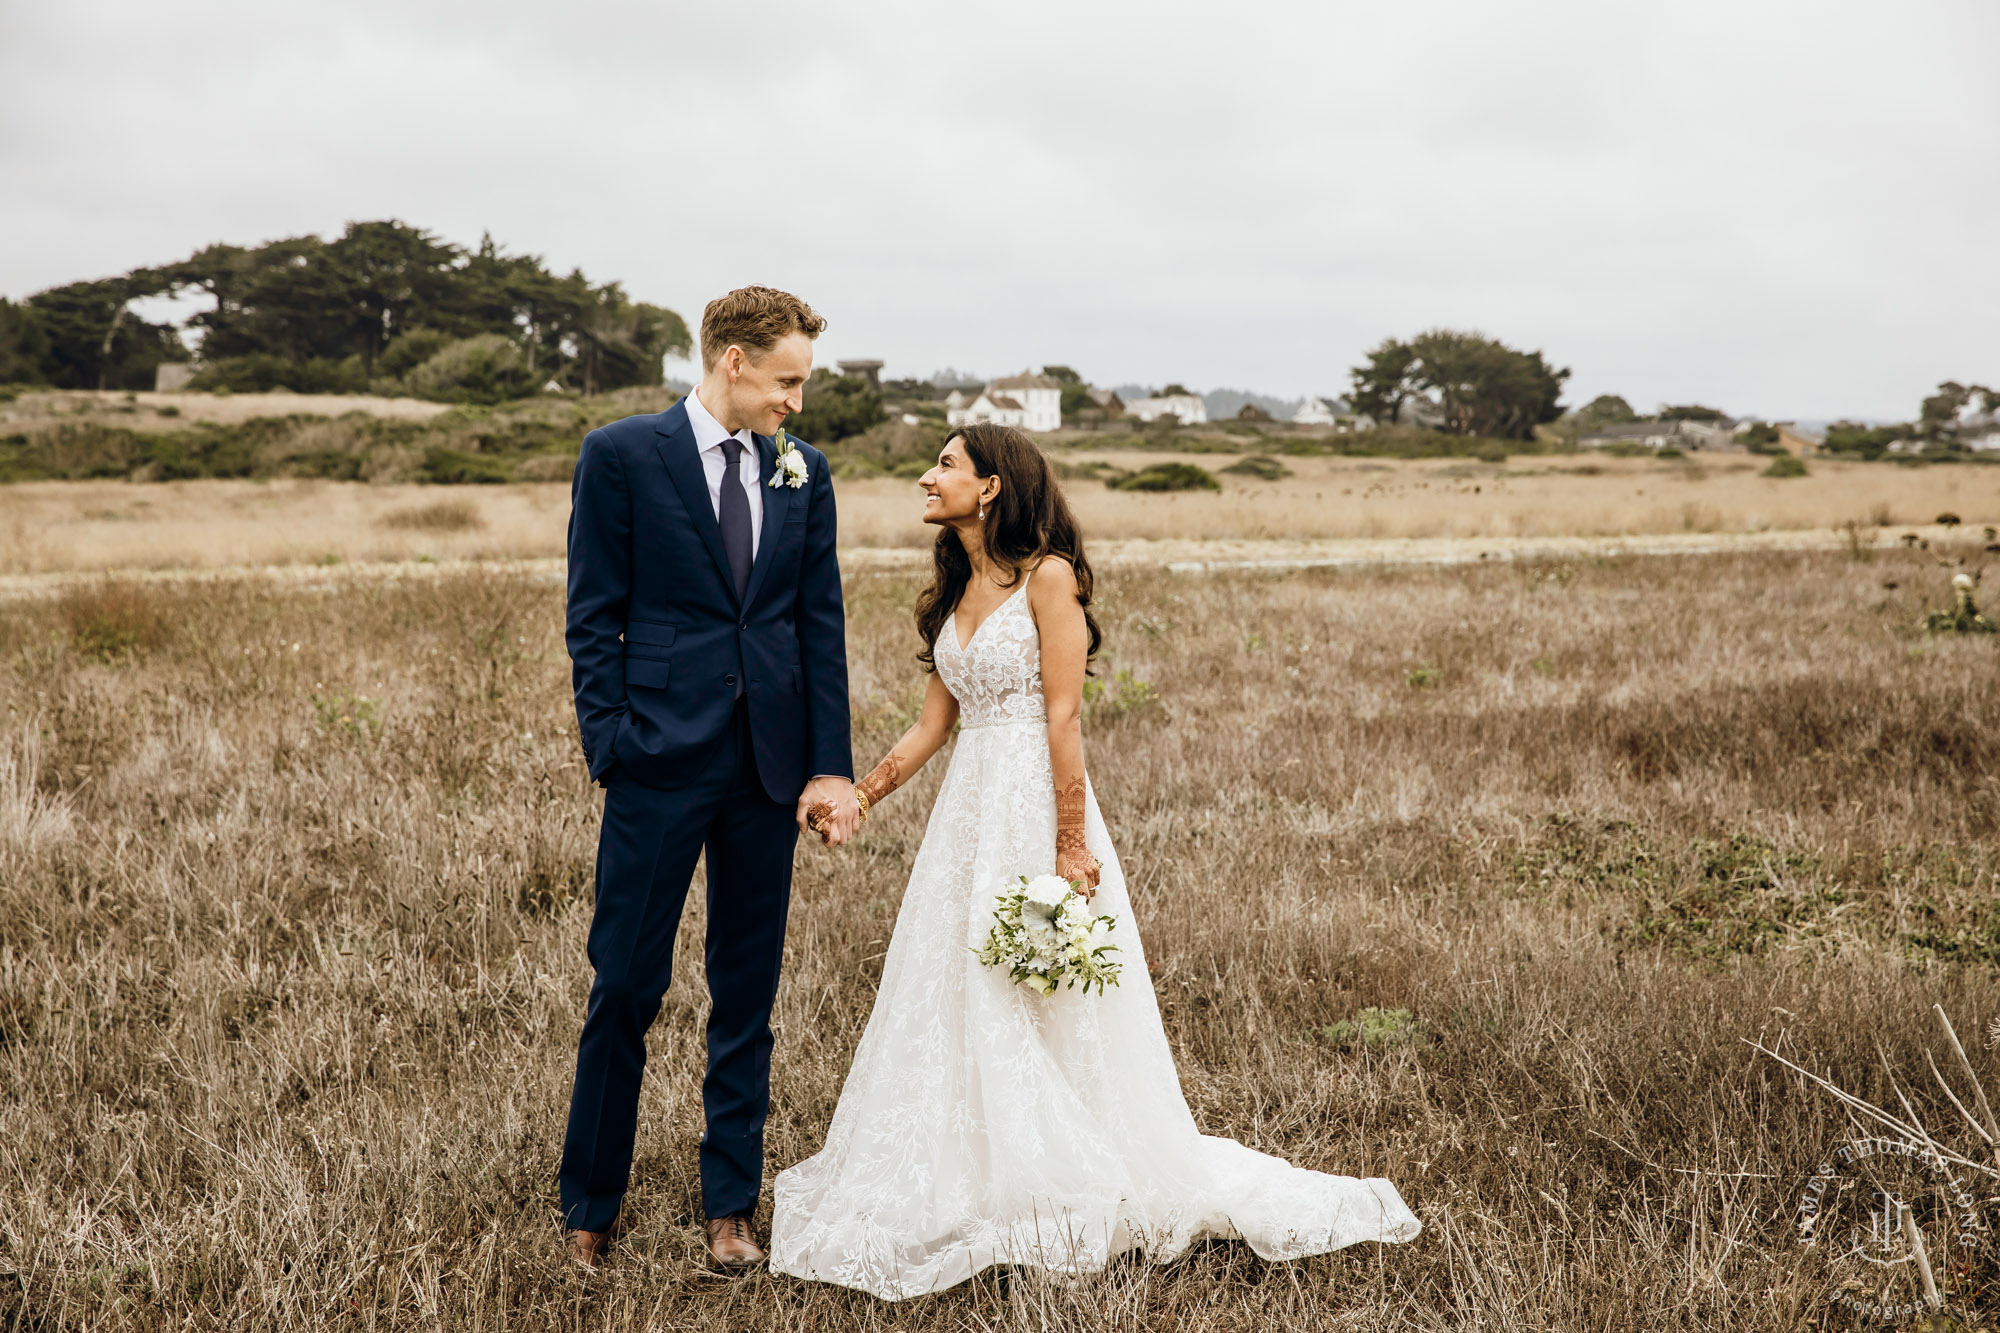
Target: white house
[[1980, 433], [1314, 412], [1663, 434], [1187, 407], [1025, 401], [997, 408]]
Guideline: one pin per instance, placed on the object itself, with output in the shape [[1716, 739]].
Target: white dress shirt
[[708, 437]]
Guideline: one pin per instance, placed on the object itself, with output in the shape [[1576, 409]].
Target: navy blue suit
[[703, 717]]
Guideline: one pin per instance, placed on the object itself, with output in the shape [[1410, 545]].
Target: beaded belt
[[1041, 721]]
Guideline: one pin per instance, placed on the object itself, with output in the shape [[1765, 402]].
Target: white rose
[[1045, 896], [1962, 581]]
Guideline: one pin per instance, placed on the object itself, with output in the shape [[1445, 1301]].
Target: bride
[[982, 1123]]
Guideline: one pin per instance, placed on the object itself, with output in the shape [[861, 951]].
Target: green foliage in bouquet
[[1045, 936]]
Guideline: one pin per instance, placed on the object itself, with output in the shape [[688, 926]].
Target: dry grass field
[[46, 526], [294, 881]]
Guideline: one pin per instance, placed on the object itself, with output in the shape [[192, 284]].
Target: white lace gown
[[984, 1124]]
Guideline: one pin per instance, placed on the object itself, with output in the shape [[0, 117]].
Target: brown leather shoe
[[731, 1243], [587, 1247]]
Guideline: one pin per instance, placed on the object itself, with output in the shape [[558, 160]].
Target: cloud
[[1781, 208]]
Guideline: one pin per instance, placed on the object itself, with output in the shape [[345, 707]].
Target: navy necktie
[[734, 517]]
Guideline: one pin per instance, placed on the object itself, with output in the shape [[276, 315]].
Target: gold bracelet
[[861, 799]]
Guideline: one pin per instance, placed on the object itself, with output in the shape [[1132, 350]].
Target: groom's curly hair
[[754, 318]]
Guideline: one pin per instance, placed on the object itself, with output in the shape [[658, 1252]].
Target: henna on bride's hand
[[817, 816]]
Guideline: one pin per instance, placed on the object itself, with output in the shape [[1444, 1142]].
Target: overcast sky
[[1779, 207]]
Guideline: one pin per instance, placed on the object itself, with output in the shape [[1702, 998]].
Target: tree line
[[384, 307]]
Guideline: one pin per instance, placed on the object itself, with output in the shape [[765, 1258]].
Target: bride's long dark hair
[[1028, 521]]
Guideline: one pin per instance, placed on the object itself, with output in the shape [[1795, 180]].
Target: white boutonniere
[[791, 464]]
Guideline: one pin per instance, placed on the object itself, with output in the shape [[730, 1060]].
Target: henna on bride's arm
[[884, 778], [1070, 845], [1069, 806]]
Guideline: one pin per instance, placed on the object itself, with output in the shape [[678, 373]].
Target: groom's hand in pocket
[[827, 807]]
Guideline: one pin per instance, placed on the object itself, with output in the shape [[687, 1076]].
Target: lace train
[[983, 1124]]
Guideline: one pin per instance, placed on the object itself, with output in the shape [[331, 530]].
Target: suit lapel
[[776, 500], [675, 442]]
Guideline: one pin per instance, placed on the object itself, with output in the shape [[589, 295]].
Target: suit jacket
[[657, 638]]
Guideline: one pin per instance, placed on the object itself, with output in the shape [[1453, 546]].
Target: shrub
[[438, 516], [262, 373], [487, 368], [448, 467], [409, 351], [1168, 477], [1785, 465], [1261, 466], [836, 407], [1761, 438]]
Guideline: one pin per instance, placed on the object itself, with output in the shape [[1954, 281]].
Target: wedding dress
[[982, 1123]]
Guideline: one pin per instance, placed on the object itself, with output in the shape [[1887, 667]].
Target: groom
[[709, 649]]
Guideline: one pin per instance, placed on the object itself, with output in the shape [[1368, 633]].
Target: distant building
[[1252, 412], [1026, 401], [1186, 407], [1314, 412], [172, 376], [1661, 435], [1982, 434], [1795, 441], [997, 409], [867, 370], [1108, 402]]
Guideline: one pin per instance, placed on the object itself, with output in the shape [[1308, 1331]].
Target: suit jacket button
[[744, 625], [729, 681]]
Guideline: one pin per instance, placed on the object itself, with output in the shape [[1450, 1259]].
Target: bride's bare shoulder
[[1052, 582]]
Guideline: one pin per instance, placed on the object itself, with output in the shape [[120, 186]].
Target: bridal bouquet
[[1044, 935]]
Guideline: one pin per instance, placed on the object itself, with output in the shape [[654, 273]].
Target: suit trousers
[[646, 854]]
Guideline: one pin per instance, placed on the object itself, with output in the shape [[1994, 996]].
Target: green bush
[[1785, 465], [261, 373], [1761, 438], [1168, 477], [409, 351], [1261, 466], [837, 407], [487, 368], [449, 467]]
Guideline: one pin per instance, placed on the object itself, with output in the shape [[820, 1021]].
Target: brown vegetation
[[46, 526], [293, 889], [455, 515]]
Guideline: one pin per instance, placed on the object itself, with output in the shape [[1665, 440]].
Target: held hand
[[1080, 868], [827, 807]]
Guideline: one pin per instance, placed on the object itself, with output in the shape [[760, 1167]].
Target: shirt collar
[[708, 432]]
